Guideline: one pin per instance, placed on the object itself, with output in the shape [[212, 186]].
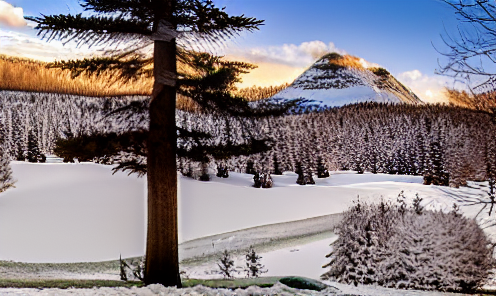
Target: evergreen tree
[[222, 172], [154, 23], [253, 266], [33, 153], [322, 172], [6, 180], [435, 173]]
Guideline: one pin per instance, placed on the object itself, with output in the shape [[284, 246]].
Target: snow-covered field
[[83, 213]]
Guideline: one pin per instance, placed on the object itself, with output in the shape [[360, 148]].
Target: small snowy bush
[[263, 180], [407, 248], [132, 269], [222, 172]]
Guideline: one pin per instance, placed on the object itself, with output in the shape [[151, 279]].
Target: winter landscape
[[143, 153]]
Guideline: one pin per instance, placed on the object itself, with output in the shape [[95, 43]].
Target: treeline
[[37, 120], [448, 145]]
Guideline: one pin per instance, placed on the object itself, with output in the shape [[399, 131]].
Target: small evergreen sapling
[[134, 269], [322, 172], [222, 172], [226, 265], [253, 266], [416, 205], [303, 179]]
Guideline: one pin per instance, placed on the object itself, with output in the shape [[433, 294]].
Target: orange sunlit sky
[[402, 36]]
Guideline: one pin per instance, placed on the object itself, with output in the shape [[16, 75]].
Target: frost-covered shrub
[[390, 246], [263, 180]]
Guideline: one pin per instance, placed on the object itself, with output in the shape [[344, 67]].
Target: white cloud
[[428, 88], [278, 64], [29, 46], [11, 16], [302, 55]]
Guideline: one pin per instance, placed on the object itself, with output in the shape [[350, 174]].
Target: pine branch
[[129, 68], [200, 20], [93, 30], [130, 8]]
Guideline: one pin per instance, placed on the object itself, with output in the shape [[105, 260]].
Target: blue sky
[[396, 34]]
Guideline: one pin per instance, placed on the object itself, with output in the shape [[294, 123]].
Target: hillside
[[336, 80]]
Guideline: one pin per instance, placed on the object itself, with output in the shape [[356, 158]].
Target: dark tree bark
[[162, 261]]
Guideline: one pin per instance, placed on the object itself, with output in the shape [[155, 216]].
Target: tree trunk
[[162, 262]]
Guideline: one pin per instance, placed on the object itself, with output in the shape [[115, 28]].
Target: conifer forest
[[447, 145]]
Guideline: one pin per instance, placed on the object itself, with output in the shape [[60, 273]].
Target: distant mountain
[[337, 80]]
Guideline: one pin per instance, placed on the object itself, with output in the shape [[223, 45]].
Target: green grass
[[263, 282], [65, 284]]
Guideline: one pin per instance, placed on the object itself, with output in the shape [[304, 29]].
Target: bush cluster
[[396, 246]]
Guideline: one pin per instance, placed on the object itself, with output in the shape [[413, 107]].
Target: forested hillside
[[431, 140]]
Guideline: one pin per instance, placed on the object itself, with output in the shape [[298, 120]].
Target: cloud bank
[[428, 88], [293, 55], [279, 64], [24, 45], [11, 16]]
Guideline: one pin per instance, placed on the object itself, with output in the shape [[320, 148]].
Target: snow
[[338, 97], [81, 213], [298, 261]]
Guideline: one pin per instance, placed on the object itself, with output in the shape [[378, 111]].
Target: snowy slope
[[336, 80], [81, 212]]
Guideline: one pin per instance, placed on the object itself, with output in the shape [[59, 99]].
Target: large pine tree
[[142, 24]]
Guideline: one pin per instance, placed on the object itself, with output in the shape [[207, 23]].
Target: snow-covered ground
[[83, 213]]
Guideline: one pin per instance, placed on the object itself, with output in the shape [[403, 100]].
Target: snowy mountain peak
[[337, 80]]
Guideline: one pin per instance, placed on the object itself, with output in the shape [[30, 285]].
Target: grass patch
[[65, 284]]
